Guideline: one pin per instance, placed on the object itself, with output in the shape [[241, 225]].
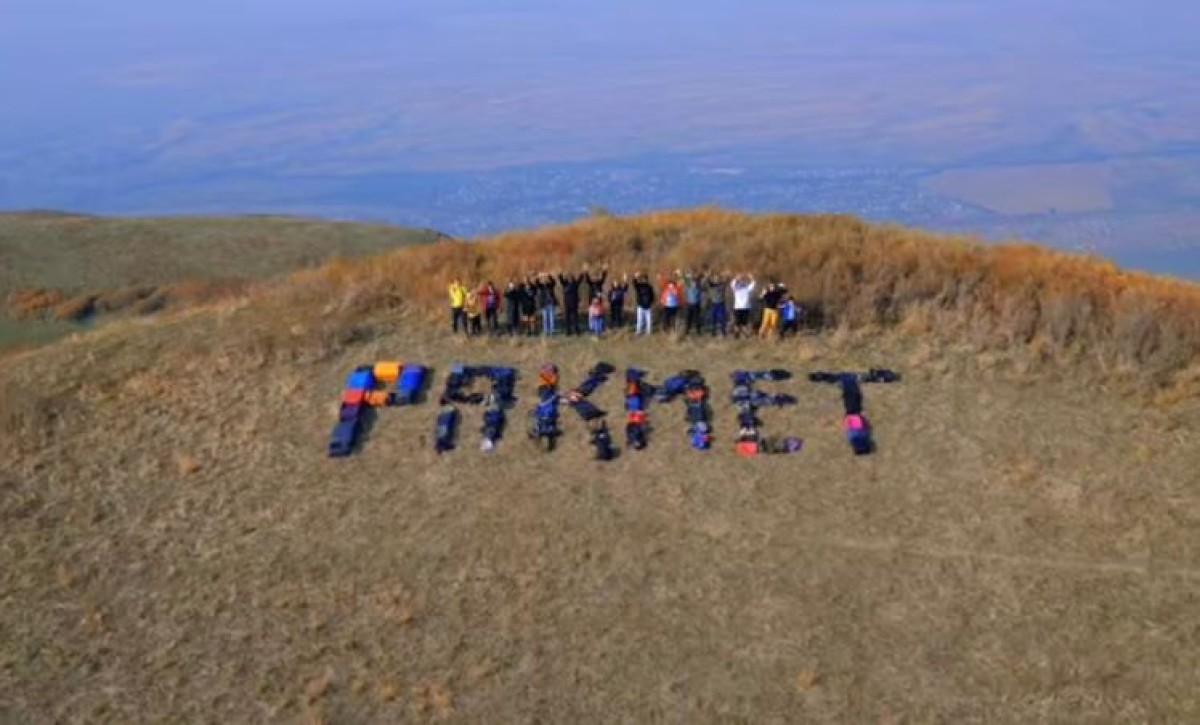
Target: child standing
[[791, 316], [474, 313], [596, 316]]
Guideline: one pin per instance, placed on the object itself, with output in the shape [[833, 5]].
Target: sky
[[106, 99]]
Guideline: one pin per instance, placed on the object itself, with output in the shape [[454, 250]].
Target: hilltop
[[1020, 548]]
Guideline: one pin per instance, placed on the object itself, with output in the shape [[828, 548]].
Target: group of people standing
[[682, 301]]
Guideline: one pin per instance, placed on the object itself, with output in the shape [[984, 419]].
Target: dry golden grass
[[1021, 548], [176, 546]]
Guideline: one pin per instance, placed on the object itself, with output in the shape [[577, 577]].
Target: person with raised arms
[[718, 302], [616, 302], [772, 297], [743, 288], [548, 301], [570, 287], [595, 285], [644, 297], [529, 305], [672, 297]]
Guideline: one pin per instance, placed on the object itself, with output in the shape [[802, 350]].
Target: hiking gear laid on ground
[[350, 413], [344, 438], [447, 428], [781, 445], [545, 421], [749, 377], [504, 383], [760, 399], [548, 375], [380, 398], [636, 435], [858, 435], [363, 380], [601, 369], [493, 427], [881, 375], [587, 410], [747, 448], [412, 382], [874, 375], [852, 397], [388, 373], [603, 443]]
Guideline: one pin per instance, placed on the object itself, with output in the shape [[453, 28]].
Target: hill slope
[[65, 259], [1021, 548]]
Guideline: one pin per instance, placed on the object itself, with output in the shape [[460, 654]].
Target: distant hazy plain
[[1025, 111]]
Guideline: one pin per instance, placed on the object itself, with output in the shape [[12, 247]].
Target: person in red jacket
[[672, 298], [489, 300]]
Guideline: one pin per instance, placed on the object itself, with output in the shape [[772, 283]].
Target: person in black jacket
[[512, 305], [595, 285], [548, 301], [570, 286], [643, 293], [616, 303], [529, 305]]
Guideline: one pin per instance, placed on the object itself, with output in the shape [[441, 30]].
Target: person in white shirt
[[743, 301]]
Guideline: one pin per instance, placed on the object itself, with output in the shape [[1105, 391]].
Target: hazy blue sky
[[103, 99]]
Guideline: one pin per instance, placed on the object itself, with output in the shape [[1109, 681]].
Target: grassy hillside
[[65, 266], [1065, 308], [176, 546]]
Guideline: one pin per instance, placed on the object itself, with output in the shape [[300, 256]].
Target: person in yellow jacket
[[474, 312], [458, 300]]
